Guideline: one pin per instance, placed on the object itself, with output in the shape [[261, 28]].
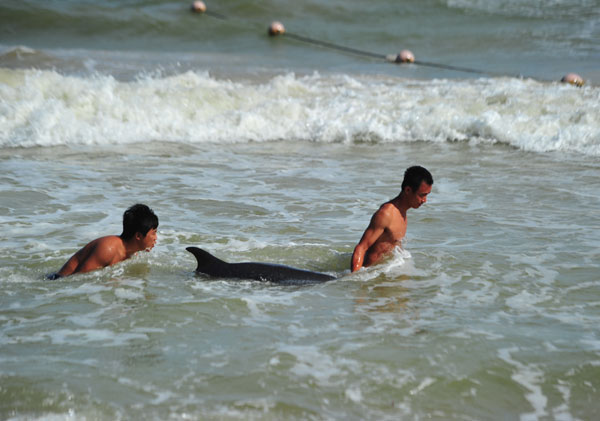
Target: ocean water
[[277, 150]]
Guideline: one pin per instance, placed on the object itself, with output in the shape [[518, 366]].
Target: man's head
[[417, 185], [138, 219], [414, 176]]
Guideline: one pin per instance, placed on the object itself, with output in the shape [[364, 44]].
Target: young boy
[[139, 233]]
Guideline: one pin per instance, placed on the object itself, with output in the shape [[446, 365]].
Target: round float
[[573, 79], [276, 28], [198, 7], [404, 56]]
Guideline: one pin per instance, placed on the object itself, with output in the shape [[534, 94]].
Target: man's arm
[[71, 265], [376, 228]]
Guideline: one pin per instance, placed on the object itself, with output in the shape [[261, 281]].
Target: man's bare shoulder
[[386, 210], [109, 240], [109, 248], [96, 254]]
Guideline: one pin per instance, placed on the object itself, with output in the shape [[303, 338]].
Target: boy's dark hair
[[414, 176], [138, 218]]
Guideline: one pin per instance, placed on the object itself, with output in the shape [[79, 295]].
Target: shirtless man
[[388, 224], [139, 233]]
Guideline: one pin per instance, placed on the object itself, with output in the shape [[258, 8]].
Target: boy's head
[[138, 218]]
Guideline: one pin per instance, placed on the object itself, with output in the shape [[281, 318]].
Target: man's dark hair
[[414, 176], [138, 218]]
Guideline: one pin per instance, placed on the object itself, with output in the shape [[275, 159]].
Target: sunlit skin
[[387, 227], [106, 251]]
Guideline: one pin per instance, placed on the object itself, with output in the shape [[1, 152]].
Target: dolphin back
[[210, 265]]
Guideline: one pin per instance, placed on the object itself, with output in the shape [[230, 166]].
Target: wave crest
[[45, 108]]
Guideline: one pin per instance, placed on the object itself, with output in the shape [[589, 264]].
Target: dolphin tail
[[207, 263]]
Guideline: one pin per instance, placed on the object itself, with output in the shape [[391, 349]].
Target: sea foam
[[46, 108]]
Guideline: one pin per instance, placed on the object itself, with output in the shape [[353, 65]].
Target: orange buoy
[[573, 79], [276, 28], [404, 56], [198, 7]]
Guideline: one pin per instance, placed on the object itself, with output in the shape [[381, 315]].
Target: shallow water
[[490, 311], [262, 149]]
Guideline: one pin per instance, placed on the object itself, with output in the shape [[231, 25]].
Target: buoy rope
[[371, 55], [379, 56], [334, 46], [356, 51], [449, 67], [215, 15]]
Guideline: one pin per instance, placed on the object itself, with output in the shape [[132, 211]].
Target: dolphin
[[212, 266]]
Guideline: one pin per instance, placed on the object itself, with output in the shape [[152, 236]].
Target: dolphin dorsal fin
[[207, 263]]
